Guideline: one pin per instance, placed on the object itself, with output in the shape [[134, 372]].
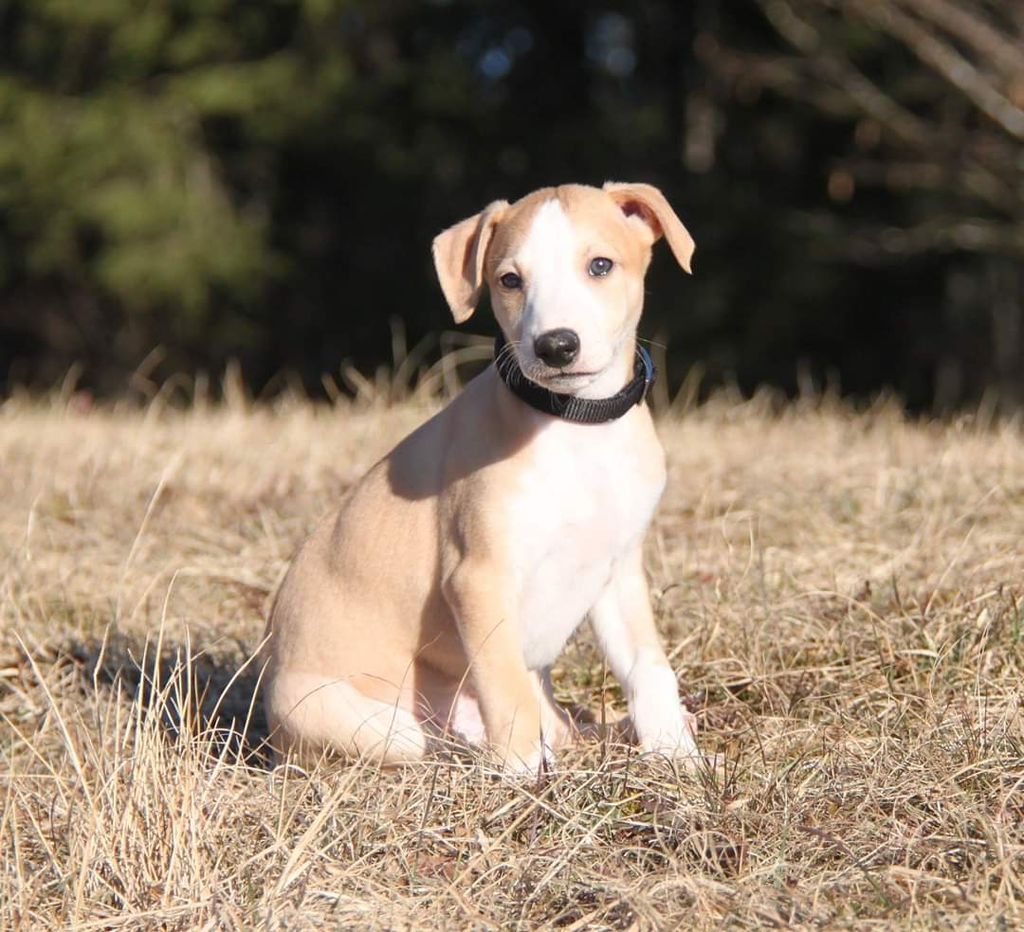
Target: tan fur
[[402, 610]]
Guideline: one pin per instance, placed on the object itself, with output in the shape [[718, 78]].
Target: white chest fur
[[583, 502]]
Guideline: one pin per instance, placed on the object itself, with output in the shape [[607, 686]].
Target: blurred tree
[[933, 91], [136, 166], [223, 179]]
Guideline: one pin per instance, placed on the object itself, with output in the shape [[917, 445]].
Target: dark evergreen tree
[[224, 179]]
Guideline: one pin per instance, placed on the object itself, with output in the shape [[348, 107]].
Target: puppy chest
[[575, 514]]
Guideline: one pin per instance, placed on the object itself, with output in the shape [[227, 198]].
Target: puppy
[[432, 601]]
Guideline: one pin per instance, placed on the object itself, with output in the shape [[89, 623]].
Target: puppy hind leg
[[310, 714]]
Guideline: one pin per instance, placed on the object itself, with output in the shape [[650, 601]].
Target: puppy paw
[[671, 731], [523, 757], [678, 747], [526, 765]]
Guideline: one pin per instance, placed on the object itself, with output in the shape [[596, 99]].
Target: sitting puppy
[[434, 599]]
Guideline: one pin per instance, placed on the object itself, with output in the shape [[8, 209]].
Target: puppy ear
[[648, 204], [459, 259]]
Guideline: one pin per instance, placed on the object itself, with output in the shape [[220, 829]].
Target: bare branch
[[946, 61], [880, 244], [973, 29], [975, 177], [747, 72], [868, 96], [972, 235], [929, 175]]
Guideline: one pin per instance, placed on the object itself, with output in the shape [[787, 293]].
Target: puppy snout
[[558, 347]]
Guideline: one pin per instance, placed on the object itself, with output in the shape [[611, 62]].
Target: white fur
[[465, 719], [572, 505], [553, 258], [660, 721], [584, 502]]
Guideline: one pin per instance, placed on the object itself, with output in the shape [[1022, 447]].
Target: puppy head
[[565, 269]]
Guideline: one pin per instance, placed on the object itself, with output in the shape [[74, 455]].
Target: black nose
[[557, 348]]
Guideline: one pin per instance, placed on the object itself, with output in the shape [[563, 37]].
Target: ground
[[843, 599]]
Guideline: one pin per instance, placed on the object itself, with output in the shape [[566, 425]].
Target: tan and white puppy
[[434, 599]]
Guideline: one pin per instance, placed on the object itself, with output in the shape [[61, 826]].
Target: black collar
[[569, 407]]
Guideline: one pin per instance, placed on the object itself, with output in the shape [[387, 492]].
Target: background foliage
[[183, 182]]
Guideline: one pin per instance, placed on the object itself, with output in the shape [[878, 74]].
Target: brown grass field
[[842, 595]]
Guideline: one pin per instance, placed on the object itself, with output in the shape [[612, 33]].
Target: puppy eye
[[600, 267], [511, 281]]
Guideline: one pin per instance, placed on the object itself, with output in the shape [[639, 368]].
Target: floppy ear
[[459, 259], [648, 204]]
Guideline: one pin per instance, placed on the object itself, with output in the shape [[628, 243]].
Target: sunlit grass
[[842, 595]]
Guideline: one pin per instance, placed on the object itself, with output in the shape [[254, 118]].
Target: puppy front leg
[[509, 694], [624, 624]]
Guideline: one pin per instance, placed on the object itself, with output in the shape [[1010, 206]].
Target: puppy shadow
[[194, 693]]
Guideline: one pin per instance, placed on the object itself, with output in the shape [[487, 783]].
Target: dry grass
[[843, 594]]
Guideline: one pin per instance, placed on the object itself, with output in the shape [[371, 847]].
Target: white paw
[[662, 724], [526, 765], [678, 744]]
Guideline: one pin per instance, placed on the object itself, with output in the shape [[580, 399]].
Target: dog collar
[[569, 407]]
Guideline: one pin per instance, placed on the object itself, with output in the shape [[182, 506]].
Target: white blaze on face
[[553, 259]]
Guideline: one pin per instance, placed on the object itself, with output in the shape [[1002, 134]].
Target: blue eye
[[600, 267], [511, 281]]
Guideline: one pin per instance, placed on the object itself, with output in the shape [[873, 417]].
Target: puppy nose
[[558, 347]]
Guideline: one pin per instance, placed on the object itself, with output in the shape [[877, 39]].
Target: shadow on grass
[[194, 692]]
